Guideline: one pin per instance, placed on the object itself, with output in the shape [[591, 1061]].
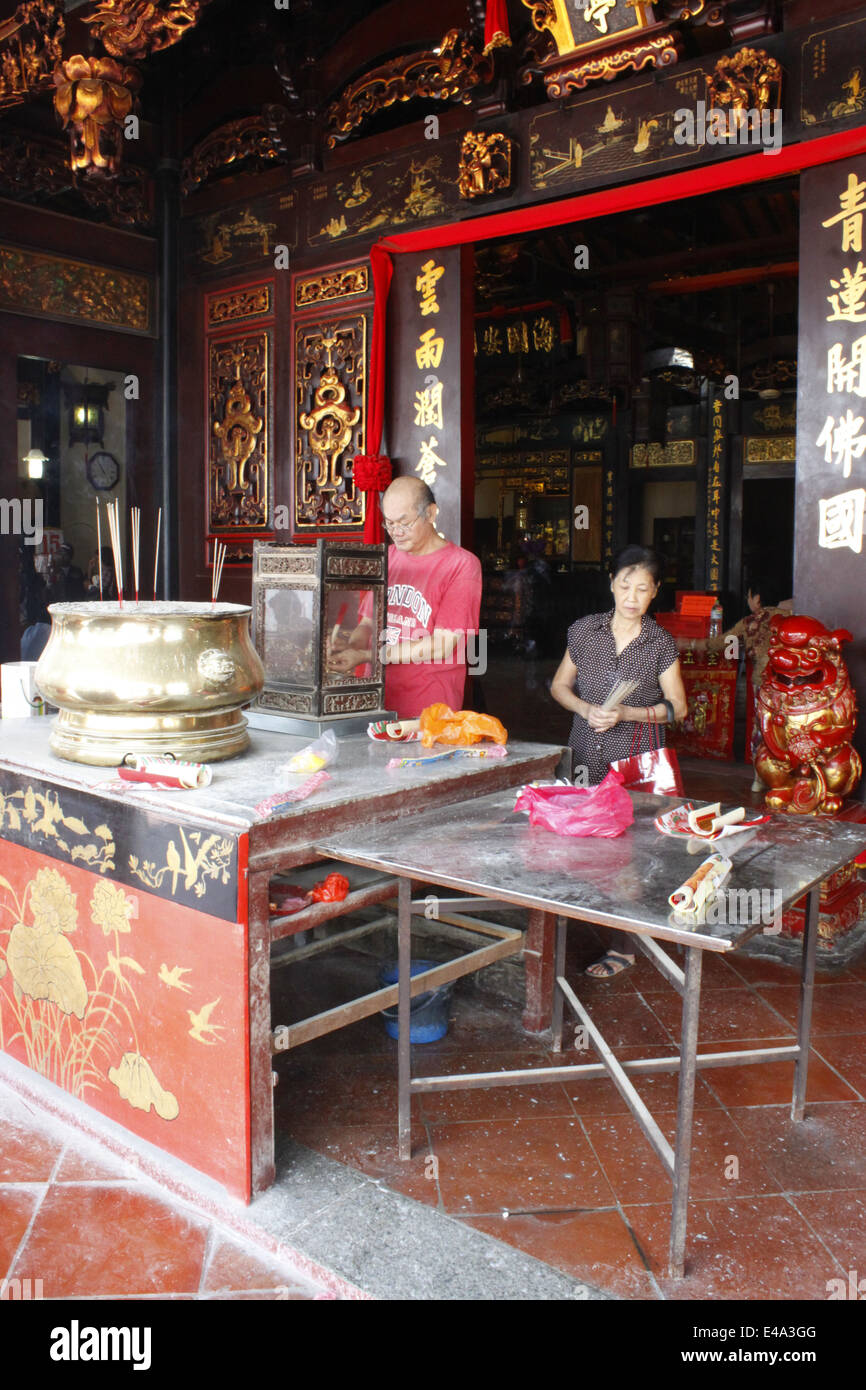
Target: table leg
[[404, 1022], [260, 1054], [538, 963], [685, 1109], [804, 1019], [558, 969]]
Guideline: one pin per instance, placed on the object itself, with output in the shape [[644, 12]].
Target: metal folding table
[[484, 850]]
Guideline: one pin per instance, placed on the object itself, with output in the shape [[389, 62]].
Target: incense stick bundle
[[619, 694], [156, 551], [135, 531], [113, 509], [99, 548], [220, 548]]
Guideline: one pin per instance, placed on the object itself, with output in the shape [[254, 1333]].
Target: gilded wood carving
[[134, 28], [447, 73], [485, 163], [330, 376], [93, 98], [239, 304], [336, 284], [239, 471], [56, 287], [246, 139], [31, 43]]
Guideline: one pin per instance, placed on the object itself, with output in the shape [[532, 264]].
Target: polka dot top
[[592, 648]]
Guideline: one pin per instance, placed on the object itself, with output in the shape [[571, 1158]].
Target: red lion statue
[[807, 712]]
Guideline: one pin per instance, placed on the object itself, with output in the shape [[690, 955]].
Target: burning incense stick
[[99, 548], [156, 552], [114, 528], [220, 548], [135, 529]]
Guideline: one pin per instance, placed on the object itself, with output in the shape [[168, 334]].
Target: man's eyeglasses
[[399, 528]]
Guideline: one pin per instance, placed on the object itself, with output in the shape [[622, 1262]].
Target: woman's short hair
[[637, 556]]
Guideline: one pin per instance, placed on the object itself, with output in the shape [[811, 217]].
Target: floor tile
[[28, 1151], [79, 1165], [599, 1096], [520, 1165], [492, 1102], [636, 1174], [836, 1008], [839, 1218], [234, 1269], [824, 1151], [372, 1149], [17, 1205], [725, 1014], [847, 1053], [113, 1241], [770, 1083], [594, 1246], [742, 1248], [625, 1020]]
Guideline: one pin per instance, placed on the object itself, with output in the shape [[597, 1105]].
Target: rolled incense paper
[[403, 728], [708, 819], [165, 772], [707, 877]]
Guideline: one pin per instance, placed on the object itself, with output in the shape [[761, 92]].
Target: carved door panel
[[330, 352]]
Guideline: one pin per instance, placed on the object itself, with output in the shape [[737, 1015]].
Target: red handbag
[[657, 770]]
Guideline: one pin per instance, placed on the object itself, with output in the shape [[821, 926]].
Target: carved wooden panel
[[240, 483], [330, 421]]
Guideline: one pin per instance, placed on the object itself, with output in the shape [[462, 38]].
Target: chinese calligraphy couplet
[[830, 496]]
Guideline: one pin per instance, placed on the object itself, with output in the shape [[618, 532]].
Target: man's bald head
[[406, 494], [409, 512]]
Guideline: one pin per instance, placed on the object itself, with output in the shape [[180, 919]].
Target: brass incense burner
[[159, 677]]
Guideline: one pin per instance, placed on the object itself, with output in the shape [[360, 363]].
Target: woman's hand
[[602, 719]]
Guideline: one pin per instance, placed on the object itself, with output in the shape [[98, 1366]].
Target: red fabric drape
[[496, 31], [372, 471]]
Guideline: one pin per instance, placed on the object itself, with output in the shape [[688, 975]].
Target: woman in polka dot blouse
[[604, 649]]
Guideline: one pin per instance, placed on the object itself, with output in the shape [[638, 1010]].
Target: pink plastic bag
[[605, 810]]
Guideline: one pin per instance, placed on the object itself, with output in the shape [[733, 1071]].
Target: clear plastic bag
[[318, 754], [604, 810]]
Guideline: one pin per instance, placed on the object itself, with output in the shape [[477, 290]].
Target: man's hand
[[602, 719], [347, 659]]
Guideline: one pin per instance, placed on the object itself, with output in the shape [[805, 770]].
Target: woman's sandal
[[613, 963]]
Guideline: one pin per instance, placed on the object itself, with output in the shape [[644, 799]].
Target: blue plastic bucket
[[428, 1012]]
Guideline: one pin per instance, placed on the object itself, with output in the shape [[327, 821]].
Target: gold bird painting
[[200, 1024], [172, 977]]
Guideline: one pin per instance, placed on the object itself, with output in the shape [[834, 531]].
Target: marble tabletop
[[239, 784], [484, 848]]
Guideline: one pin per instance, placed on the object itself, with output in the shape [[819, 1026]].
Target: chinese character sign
[[831, 406], [426, 381]]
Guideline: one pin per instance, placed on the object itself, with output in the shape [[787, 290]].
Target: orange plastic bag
[[439, 724]]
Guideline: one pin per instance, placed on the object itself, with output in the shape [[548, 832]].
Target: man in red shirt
[[434, 601]]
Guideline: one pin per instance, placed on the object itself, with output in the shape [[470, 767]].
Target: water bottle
[[716, 619]]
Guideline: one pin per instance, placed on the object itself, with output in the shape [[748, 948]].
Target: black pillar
[[168, 222]]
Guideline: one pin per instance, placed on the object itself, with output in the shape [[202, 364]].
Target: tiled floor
[[559, 1172], [76, 1223]]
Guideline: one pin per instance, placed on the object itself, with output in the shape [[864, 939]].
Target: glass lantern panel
[[289, 636], [345, 608]]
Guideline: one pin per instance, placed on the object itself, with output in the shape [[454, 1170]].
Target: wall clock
[[103, 471]]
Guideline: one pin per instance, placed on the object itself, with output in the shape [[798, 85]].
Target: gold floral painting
[[128, 1002]]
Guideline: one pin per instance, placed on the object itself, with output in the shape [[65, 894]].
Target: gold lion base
[[103, 740]]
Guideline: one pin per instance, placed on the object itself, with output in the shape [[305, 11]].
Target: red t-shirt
[[425, 592]]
